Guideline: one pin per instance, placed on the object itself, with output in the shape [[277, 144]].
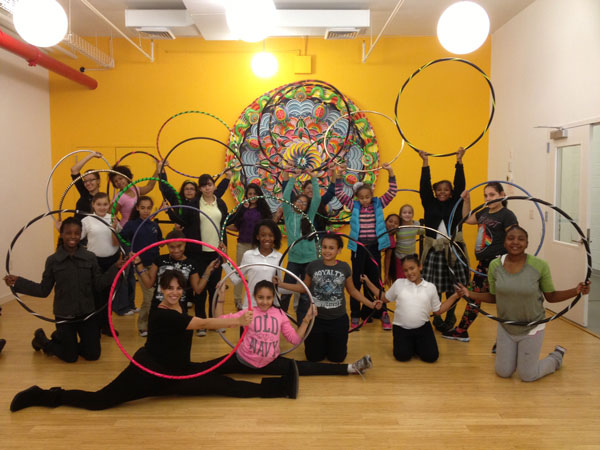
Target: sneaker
[[190, 305], [362, 365], [354, 322], [441, 326], [456, 335], [560, 349], [385, 321], [239, 305], [220, 330], [494, 348], [136, 310], [201, 332], [129, 313], [143, 333], [40, 340]]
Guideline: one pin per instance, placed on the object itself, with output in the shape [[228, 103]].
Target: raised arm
[[392, 187], [316, 200], [344, 198], [459, 173], [143, 190], [466, 208], [76, 168], [222, 187], [425, 189]]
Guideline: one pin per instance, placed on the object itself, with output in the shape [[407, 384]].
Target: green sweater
[[304, 251], [519, 296]]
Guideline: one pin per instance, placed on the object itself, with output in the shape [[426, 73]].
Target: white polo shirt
[[99, 236], [414, 302], [255, 274]]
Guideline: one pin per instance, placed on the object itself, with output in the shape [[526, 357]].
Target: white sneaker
[[201, 333], [129, 313], [143, 333]]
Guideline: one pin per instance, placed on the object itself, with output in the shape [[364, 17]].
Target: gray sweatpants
[[522, 353]]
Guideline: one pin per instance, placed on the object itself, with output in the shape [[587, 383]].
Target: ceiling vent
[[156, 33], [341, 33]]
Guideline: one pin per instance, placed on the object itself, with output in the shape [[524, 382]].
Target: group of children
[[193, 273]]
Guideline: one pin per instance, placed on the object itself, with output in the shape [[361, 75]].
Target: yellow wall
[[445, 106]]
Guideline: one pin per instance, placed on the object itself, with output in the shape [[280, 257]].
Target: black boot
[[36, 396], [40, 341], [450, 320], [2, 344]]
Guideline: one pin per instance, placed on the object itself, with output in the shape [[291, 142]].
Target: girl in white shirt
[[103, 243], [415, 300], [266, 240]]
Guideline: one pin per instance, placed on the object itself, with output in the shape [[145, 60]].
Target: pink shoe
[[354, 322], [386, 324]]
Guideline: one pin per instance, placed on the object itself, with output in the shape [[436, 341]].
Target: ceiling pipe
[[34, 57]]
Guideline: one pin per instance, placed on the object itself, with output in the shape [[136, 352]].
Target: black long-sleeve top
[[190, 219], [76, 277], [436, 210]]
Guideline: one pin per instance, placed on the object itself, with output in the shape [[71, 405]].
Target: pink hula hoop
[[110, 300]]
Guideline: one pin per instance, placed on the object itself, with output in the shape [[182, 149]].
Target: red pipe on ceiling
[[34, 56]]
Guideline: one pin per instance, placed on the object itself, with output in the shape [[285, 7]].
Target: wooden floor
[[458, 402]]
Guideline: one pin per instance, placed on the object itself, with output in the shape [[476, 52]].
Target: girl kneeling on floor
[[415, 300]]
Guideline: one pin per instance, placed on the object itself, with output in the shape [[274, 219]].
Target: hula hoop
[[265, 196], [62, 199], [59, 163], [370, 255], [151, 216], [281, 94], [112, 328], [310, 325], [9, 253], [133, 183], [222, 122], [511, 184], [325, 143], [419, 70], [583, 240], [196, 138]]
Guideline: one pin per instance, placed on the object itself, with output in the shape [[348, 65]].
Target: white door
[[569, 173]]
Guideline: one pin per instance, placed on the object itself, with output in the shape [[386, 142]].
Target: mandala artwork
[[294, 119]]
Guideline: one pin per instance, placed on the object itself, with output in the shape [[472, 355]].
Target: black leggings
[[328, 339], [65, 345], [417, 341], [134, 383], [279, 366]]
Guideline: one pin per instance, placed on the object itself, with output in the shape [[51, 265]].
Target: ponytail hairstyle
[[499, 189], [412, 257]]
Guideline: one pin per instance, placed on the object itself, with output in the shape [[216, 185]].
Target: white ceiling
[[415, 17]]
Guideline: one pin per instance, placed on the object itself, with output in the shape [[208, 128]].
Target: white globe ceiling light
[[463, 27], [42, 23], [264, 65], [250, 20]]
